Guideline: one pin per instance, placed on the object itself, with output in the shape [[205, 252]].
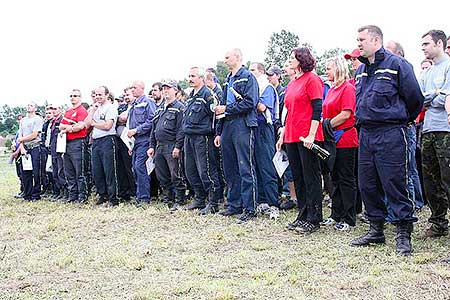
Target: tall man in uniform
[[236, 135], [435, 85], [166, 144], [102, 118], [388, 97], [29, 144], [74, 158], [140, 125], [199, 151]]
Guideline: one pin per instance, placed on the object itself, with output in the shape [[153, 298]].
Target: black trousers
[[32, 179], [104, 166], [58, 172], [307, 182], [74, 169], [125, 175], [344, 183], [168, 170]]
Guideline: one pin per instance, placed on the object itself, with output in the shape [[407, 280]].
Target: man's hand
[[217, 141], [131, 132], [220, 109], [150, 152], [176, 153]]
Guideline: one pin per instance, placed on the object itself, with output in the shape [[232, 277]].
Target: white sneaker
[[263, 208], [328, 222], [274, 213], [342, 226]]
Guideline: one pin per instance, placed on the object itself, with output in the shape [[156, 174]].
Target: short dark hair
[[373, 30], [437, 35], [306, 61], [158, 84]]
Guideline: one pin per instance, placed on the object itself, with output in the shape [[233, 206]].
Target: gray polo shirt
[[28, 126], [437, 77], [105, 112]]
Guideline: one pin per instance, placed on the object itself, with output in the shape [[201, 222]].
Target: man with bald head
[[236, 135], [140, 125]]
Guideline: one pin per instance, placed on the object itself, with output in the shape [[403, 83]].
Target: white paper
[[48, 165], [61, 143], [128, 141], [150, 164], [281, 162], [27, 164]]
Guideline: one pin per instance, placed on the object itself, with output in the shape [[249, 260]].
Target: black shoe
[[209, 209], [19, 195], [374, 236], [403, 239], [245, 217], [196, 205], [288, 205], [307, 228], [229, 213], [295, 224], [100, 200]]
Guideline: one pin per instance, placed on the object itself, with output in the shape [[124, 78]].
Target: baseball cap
[[170, 83], [354, 54], [274, 70]]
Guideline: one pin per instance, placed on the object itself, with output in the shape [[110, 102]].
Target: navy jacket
[[387, 91], [140, 117], [54, 134], [199, 115], [246, 85], [167, 125]]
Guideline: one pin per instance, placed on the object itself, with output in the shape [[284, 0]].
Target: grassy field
[[65, 251]]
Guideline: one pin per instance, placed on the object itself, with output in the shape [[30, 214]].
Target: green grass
[[64, 251]]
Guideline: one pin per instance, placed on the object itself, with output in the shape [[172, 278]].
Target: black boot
[[196, 204], [374, 236], [211, 208], [403, 238]]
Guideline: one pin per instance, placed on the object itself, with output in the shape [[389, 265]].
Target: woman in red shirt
[[303, 101], [339, 107]]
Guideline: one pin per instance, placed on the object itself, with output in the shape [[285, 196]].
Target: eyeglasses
[[73, 96]]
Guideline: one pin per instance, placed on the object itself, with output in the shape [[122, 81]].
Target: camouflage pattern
[[436, 177]]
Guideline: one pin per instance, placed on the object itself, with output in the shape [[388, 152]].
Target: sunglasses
[[73, 96]]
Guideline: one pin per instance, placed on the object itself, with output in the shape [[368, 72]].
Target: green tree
[[322, 59], [279, 47], [221, 71], [184, 84], [8, 143]]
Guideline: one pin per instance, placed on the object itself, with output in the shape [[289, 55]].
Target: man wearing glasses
[[74, 127]]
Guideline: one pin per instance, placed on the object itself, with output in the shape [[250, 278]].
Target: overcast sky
[[49, 47]]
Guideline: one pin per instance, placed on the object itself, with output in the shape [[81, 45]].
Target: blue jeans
[[140, 171], [414, 187]]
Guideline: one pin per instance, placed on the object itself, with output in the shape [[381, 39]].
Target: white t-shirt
[[105, 112]]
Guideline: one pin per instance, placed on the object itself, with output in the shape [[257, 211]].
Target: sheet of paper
[[281, 162], [48, 165], [128, 141], [61, 143], [150, 164], [27, 164]]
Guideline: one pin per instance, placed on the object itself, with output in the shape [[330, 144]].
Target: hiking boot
[[374, 236], [209, 209], [434, 232], [246, 216], [403, 239], [196, 204], [307, 228]]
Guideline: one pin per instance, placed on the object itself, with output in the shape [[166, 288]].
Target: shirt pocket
[[383, 93], [196, 113], [140, 114], [169, 121]]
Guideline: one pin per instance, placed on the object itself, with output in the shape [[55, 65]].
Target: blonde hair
[[341, 72]]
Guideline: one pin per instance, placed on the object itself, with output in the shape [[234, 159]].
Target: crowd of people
[[385, 134]]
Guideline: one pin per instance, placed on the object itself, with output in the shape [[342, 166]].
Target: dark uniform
[[237, 139], [200, 159], [387, 96], [166, 135], [46, 177], [60, 190]]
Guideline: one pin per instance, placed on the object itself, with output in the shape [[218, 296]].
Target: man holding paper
[[139, 125]]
